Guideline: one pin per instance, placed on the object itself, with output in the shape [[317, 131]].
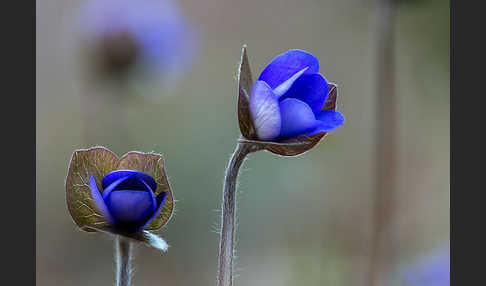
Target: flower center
[[116, 54]]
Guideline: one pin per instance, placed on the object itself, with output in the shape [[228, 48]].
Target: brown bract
[[99, 161], [288, 147], [245, 84]]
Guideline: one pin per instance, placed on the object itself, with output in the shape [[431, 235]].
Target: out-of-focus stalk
[[385, 175]]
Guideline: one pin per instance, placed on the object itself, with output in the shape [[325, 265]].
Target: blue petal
[[147, 188], [133, 183], [328, 121], [285, 65], [264, 111], [160, 203], [130, 209], [113, 186], [98, 200], [297, 118], [311, 89]]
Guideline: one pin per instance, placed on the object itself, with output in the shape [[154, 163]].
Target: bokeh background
[[302, 221]]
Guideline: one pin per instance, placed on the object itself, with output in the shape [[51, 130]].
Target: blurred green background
[[302, 221]]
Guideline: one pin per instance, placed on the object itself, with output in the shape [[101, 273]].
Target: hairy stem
[[227, 233], [123, 249]]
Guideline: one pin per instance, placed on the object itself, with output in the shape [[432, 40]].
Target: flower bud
[[140, 39], [123, 196], [290, 108]]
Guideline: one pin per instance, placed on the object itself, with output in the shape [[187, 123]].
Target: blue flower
[[147, 36], [288, 99], [431, 270], [128, 196], [128, 201]]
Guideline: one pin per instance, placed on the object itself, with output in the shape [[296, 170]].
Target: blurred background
[[307, 220]]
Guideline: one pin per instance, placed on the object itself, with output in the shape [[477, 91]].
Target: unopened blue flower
[[126, 196], [288, 98], [149, 36], [128, 201]]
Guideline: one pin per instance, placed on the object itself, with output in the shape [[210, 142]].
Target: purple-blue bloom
[[287, 99], [431, 270], [145, 35], [128, 201]]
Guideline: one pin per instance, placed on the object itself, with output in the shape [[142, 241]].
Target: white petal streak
[[284, 86]]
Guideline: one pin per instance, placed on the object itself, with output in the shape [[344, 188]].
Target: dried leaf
[[98, 161], [297, 145], [330, 103], [289, 147], [245, 83]]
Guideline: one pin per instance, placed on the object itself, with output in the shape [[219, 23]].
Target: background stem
[[385, 159], [226, 243], [123, 261]]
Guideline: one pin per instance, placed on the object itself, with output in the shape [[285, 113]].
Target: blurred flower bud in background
[[433, 269], [146, 41]]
